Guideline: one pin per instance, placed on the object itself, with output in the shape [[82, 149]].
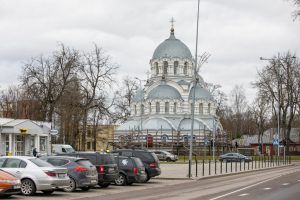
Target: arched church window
[[165, 67], [157, 107], [135, 109], [175, 67], [201, 108], [167, 107], [175, 107], [208, 109], [156, 68], [185, 68], [142, 109], [150, 108]]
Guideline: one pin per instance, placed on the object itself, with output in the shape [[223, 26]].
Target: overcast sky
[[235, 32]]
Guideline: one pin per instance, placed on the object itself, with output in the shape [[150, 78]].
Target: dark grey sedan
[[234, 157], [82, 173]]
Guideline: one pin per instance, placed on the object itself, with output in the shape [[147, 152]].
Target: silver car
[[165, 156], [35, 174]]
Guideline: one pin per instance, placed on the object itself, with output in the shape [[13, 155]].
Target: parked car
[[82, 173], [165, 156], [105, 163], [234, 157], [131, 170], [9, 184], [35, 174], [148, 158]]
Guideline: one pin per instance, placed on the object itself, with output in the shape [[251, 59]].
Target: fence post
[[226, 166], [215, 166], [203, 167], [231, 166], [221, 166], [209, 167], [196, 168]]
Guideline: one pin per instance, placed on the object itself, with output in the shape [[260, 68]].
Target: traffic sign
[[275, 141]]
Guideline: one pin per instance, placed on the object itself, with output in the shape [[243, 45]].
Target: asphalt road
[[270, 184]]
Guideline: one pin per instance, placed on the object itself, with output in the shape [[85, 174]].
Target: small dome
[[201, 93], [172, 48], [164, 92], [139, 96]]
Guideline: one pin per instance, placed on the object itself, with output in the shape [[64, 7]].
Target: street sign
[[275, 141], [53, 132]]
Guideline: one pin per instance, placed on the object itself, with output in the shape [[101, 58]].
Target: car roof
[[66, 157], [142, 150], [19, 157]]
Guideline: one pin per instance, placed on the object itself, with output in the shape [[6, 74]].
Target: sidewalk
[[180, 170]]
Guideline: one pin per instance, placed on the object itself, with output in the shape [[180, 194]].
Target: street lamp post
[[141, 121], [194, 92]]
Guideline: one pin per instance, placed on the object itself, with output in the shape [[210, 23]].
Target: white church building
[[162, 110]]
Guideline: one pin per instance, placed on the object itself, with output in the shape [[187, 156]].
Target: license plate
[[17, 187], [93, 181], [61, 175], [110, 170]]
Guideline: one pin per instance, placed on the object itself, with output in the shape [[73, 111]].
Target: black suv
[[105, 163], [148, 158], [131, 170]]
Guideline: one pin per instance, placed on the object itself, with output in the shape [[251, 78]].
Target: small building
[[18, 137]]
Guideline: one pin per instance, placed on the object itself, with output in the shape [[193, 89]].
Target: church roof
[[201, 93], [164, 91], [139, 96], [172, 48]]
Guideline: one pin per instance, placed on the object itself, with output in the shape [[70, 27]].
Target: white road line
[[285, 184], [245, 194], [227, 194], [267, 188]]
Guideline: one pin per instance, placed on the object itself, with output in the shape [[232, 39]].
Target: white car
[[35, 174]]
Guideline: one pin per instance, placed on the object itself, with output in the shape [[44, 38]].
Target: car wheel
[[168, 160], [104, 185], [28, 187], [121, 180], [71, 187], [85, 188], [47, 191]]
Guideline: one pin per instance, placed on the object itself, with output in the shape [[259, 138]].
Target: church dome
[[172, 48], [139, 96], [164, 92], [201, 93]]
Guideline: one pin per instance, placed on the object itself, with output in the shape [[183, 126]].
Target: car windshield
[[108, 159], [85, 163], [40, 163], [69, 150], [138, 162]]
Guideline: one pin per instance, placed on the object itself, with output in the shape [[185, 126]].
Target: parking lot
[[78, 194]]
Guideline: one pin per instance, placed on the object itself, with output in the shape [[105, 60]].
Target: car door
[[15, 166], [159, 155]]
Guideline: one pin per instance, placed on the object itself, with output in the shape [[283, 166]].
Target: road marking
[[230, 193], [245, 194], [285, 184], [267, 188]]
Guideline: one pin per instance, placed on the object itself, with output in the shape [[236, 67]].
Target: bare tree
[[45, 78], [280, 81], [95, 74], [8, 101], [124, 98], [296, 12], [239, 106]]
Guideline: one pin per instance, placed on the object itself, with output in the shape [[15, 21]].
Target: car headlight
[[11, 181]]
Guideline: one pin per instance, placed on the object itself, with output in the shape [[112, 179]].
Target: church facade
[[161, 111]]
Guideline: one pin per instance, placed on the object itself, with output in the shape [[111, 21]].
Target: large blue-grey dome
[[201, 93], [164, 92], [139, 96], [172, 48]]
